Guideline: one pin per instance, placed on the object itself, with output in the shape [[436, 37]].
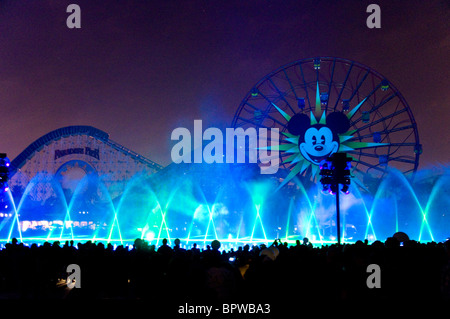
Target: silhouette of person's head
[[164, 241], [138, 243], [215, 244]]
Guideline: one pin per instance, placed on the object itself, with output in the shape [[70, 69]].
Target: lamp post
[[335, 170]]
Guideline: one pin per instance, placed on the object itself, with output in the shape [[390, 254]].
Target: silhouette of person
[[164, 248]]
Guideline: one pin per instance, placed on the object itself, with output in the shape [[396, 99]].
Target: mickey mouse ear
[[338, 122], [298, 124]]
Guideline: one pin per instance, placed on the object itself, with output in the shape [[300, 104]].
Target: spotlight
[[324, 164], [316, 64], [301, 103], [326, 189], [326, 181], [326, 172], [344, 189], [333, 189]]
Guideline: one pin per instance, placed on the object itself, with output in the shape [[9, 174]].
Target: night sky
[[139, 69]]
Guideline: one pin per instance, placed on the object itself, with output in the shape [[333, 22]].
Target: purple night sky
[[139, 69]]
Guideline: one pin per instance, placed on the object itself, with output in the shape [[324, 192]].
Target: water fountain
[[204, 205]]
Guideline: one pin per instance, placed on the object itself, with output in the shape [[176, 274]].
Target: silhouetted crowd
[[294, 273]]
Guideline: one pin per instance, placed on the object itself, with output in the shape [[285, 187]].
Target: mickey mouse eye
[[314, 140], [322, 139]]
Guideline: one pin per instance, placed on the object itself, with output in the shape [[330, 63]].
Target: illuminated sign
[[86, 151]]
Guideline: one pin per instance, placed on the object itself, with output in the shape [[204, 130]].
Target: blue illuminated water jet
[[228, 204]]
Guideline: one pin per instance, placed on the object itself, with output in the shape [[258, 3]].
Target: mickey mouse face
[[318, 141], [318, 144]]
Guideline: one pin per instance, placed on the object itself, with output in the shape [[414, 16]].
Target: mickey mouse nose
[[318, 148]]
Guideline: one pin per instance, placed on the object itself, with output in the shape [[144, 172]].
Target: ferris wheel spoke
[[359, 85], [281, 96], [390, 158], [365, 170], [356, 108], [259, 125], [381, 120], [356, 169], [267, 110], [330, 83], [364, 145], [364, 154], [375, 108], [343, 85], [409, 171], [305, 85], [290, 84], [403, 160], [370, 166], [382, 132]]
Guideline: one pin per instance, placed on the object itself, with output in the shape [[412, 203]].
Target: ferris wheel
[[325, 105]]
